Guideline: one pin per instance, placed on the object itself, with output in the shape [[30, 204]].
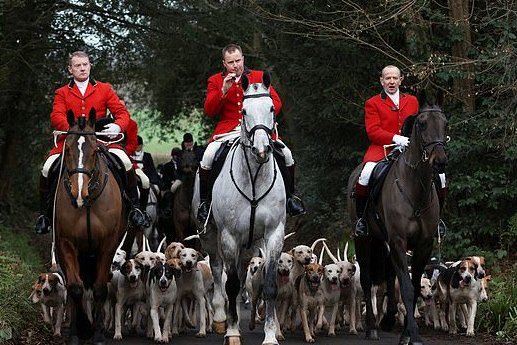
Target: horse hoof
[[404, 341], [372, 335], [232, 340], [219, 327], [74, 340]]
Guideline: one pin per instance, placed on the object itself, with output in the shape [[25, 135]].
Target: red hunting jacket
[[383, 120], [229, 106], [99, 95]]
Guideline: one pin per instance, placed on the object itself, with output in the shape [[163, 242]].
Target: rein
[[253, 200]]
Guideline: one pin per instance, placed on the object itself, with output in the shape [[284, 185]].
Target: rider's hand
[[401, 140], [227, 82], [112, 129]]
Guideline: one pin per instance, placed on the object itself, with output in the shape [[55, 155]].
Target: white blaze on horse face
[[80, 176], [259, 111]]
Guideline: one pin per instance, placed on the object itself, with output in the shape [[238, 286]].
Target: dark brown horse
[[404, 217], [183, 225], [89, 223]]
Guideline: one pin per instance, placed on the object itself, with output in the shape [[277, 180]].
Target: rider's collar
[[72, 82]]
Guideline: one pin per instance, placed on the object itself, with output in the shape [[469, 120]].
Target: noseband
[[251, 133]]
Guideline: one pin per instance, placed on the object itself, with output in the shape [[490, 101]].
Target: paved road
[[256, 336]]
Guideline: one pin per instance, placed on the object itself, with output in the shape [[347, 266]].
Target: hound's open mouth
[[463, 284], [133, 284]]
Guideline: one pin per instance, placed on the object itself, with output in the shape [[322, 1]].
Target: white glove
[[111, 128], [400, 140]]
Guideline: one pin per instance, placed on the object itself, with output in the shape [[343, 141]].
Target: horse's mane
[[407, 127]]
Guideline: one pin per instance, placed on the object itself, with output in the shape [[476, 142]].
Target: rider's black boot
[[361, 199], [136, 217], [442, 194], [43, 223], [144, 198], [295, 206], [204, 188]]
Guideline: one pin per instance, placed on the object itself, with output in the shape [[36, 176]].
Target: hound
[[190, 285], [130, 291], [173, 250], [284, 297], [331, 294], [50, 291], [310, 294], [161, 292], [253, 284], [459, 285]]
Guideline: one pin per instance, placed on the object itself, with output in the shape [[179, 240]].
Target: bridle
[[426, 148], [250, 134]]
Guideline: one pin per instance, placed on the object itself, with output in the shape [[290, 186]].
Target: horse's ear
[[422, 98], [70, 118], [407, 127], [92, 116], [440, 98], [266, 79], [245, 82]]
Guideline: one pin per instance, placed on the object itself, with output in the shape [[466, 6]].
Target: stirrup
[[136, 218], [361, 229], [441, 229], [202, 211], [295, 206], [42, 226]]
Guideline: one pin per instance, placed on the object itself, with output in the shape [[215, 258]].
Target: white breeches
[[143, 178], [364, 178], [118, 152], [211, 150]]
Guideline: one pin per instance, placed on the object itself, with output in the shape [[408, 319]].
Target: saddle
[[224, 149], [379, 174]]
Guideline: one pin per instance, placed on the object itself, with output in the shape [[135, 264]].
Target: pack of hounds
[[161, 295]]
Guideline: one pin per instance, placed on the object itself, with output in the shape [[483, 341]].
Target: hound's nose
[[46, 291]]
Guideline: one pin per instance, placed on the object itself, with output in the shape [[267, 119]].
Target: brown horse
[[89, 223], [183, 225], [403, 217]]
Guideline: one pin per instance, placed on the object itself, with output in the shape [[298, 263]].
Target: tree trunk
[[463, 86]]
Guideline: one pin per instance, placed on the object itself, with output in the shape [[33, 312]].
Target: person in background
[[224, 99], [385, 114], [188, 144], [79, 95]]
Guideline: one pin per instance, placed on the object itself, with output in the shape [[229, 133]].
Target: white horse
[[248, 209]]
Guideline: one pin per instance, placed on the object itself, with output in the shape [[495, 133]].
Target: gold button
[[84, 101], [240, 111], [83, 115], [238, 94], [238, 103], [82, 108]]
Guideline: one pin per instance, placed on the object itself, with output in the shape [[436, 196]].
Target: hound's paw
[[201, 335], [331, 334], [470, 333], [309, 340], [352, 331], [117, 336]]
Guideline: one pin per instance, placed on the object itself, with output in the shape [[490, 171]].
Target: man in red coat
[[385, 114], [224, 98], [80, 95]]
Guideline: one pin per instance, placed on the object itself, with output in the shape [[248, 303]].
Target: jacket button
[[238, 103], [238, 94]]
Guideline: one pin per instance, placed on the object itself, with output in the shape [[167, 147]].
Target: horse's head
[[80, 156], [189, 162], [428, 132], [258, 117]]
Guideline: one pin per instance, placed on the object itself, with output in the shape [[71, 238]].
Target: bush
[[18, 264], [500, 312]]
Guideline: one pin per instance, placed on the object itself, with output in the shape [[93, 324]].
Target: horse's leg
[[218, 301], [363, 250], [232, 287], [100, 288], [418, 262], [68, 257], [273, 249], [388, 320], [407, 291]]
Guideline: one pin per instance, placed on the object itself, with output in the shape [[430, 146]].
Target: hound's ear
[[70, 118], [266, 79], [92, 116], [245, 82]]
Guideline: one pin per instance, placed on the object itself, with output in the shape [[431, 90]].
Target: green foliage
[[500, 311], [18, 262]]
